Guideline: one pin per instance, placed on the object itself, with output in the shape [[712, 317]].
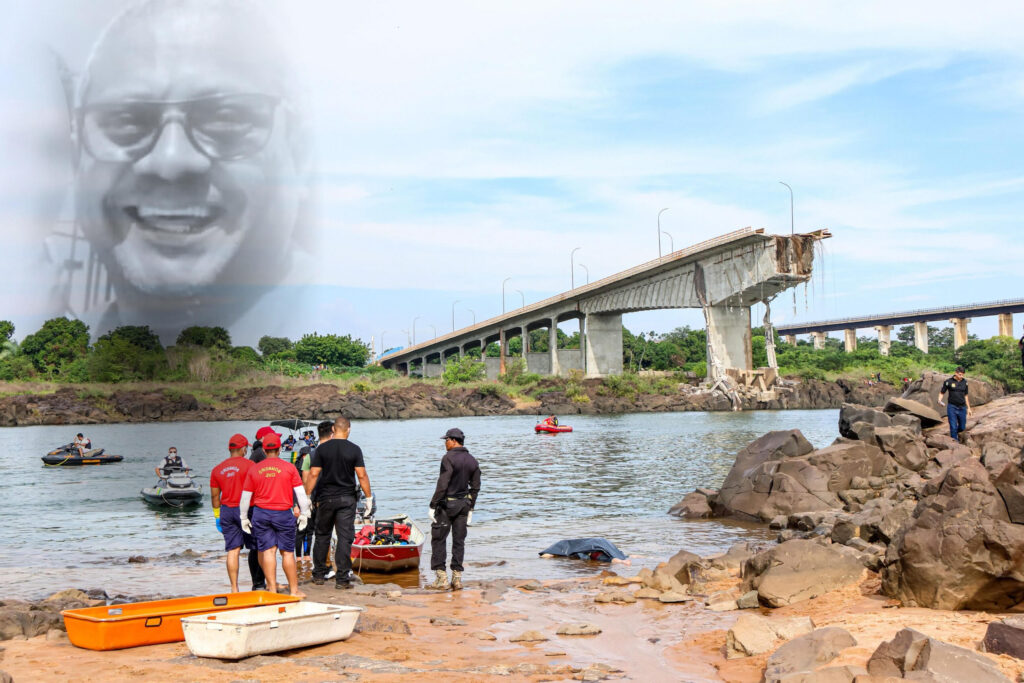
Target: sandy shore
[[417, 635]]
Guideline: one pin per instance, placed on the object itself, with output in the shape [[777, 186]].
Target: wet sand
[[448, 639]]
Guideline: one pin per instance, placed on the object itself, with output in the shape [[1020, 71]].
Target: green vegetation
[[466, 369]]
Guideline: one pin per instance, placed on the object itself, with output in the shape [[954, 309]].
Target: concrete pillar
[[526, 341], [789, 339], [850, 340], [553, 347], [884, 339], [603, 344], [501, 352], [729, 337], [583, 344], [1006, 324], [959, 331], [819, 340], [921, 336]]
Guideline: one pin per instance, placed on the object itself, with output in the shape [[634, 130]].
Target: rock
[[911, 651], [483, 635], [528, 637], [618, 580], [24, 620], [374, 624], [753, 634], [831, 674], [927, 415], [679, 571], [530, 585], [1005, 637], [735, 556], [778, 522], [925, 391], [647, 594], [798, 570], [672, 596], [57, 635], [69, 594], [851, 414], [137, 559], [447, 621], [807, 653], [620, 596], [739, 494], [981, 562], [6, 677], [748, 600], [693, 506], [578, 630], [721, 601]]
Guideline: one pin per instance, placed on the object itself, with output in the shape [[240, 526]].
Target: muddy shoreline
[[71, 405]]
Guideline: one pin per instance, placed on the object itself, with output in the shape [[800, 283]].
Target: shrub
[[489, 390], [466, 369], [361, 387], [15, 368]]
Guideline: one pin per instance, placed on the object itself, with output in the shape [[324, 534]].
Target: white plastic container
[[271, 628]]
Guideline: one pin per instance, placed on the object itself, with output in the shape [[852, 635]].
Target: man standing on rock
[[226, 481], [451, 509], [337, 463], [269, 487], [959, 406]]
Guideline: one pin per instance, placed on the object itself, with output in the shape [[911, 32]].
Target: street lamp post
[[453, 313], [587, 271], [474, 314], [503, 294], [572, 268], [671, 242], [414, 329], [434, 329], [522, 298], [408, 339], [659, 230], [791, 229], [382, 347]]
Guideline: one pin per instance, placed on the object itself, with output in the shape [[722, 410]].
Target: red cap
[[262, 431], [271, 441], [238, 441]]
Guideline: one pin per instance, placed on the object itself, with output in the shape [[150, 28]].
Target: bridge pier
[[850, 340], [553, 348], [1006, 324], [959, 331], [603, 344], [921, 336], [728, 338], [884, 339], [789, 339], [819, 340]]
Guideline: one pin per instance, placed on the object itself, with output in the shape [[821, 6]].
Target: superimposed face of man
[[186, 177]]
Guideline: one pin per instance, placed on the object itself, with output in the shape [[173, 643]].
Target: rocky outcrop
[[798, 570], [800, 658], [912, 654]]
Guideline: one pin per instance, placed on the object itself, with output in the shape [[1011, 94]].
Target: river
[[614, 476]]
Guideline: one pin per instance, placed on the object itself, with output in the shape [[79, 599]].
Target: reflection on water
[[614, 476]]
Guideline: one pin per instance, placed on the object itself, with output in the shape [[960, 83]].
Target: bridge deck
[[924, 315]]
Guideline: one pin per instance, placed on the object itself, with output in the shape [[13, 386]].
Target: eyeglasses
[[222, 127], [173, 452]]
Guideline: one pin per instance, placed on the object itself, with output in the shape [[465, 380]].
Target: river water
[[614, 476]]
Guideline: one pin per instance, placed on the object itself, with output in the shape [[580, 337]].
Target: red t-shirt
[[229, 476], [271, 482]]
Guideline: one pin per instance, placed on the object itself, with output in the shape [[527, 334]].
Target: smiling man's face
[[186, 176]]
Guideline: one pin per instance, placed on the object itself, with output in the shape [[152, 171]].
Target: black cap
[[454, 433]]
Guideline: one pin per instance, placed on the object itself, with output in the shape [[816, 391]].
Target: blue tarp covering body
[[599, 549]]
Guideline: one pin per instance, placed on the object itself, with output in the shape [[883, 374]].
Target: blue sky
[[462, 143]]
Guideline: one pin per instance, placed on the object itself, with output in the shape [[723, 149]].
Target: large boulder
[[798, 570], [912, 654], [741, 496], [928, 415], [676, 574], [753, 634], [961, 551], [1005, 637], [925, 391], [695, 505], [804, 655]]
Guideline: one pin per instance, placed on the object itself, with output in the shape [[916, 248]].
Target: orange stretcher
[[114, 627]]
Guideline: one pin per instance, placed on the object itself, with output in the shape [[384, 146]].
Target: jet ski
[[68, 456], [176, 489]]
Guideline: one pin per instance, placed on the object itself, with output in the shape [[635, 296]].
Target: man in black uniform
[[332, 475], [959, 406], [451, 509]]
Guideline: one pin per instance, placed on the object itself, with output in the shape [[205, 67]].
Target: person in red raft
[[269, 486], [549, 421]]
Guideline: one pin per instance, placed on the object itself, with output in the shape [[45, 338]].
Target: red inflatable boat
[[551, 429]]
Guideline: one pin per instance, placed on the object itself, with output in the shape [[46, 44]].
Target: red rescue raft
[[550, 428], [400, 550]]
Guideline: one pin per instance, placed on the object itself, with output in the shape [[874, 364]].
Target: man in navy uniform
[[959, 405]]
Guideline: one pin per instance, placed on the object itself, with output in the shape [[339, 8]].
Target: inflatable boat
[[551, 429]]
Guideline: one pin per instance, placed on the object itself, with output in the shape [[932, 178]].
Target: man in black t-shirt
[[959, 406], [336, 466]]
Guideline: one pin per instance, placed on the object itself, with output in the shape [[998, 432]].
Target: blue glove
[[218, 525], [216, 519]]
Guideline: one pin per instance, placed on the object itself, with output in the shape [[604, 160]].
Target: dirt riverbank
[[71, 405]]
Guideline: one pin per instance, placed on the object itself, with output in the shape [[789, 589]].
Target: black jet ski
[[68, 456], [176, 489]]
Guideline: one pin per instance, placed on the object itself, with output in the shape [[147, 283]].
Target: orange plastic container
[[133, 624]]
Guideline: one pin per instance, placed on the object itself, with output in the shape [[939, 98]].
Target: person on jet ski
[[82, 444], [172, 462], [289, 443]]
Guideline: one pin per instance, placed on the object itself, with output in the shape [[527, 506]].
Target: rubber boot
[[440, 581], [456, 580]]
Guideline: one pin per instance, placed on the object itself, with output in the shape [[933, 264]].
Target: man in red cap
[[270, 486], [258, 453], [226, 482]]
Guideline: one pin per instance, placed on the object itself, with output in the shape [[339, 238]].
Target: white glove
[[430, 511], [370, 509], [469, 518], [247, 526], [303, 520]]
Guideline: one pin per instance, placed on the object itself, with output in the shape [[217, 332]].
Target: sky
[[459, 144]]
